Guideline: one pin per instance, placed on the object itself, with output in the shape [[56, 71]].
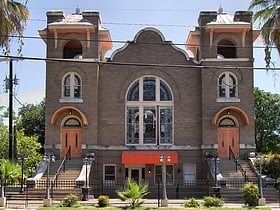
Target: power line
[[151, 24], [124, 42], [109, 62]]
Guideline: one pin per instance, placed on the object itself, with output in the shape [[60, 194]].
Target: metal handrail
[[237, 164], [62, 164]]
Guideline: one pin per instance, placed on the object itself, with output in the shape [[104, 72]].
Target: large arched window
[[149, 112], [71, 86], [227, 85]]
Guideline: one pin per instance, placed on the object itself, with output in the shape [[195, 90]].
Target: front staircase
[[235, 174], [62, 182]]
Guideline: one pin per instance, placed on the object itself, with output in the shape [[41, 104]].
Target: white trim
[[227, 86], [237, 100], [115, 173], [227, 60], [71, 100]]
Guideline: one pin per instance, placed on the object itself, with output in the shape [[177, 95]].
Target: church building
[[150, 104]]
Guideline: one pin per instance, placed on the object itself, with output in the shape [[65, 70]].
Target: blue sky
[[124, 18]]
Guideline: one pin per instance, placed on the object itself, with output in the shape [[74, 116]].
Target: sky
[[123, 18]]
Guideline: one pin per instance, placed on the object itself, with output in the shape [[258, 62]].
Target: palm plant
[[267, 15], [9, 172], [13, 18], [133, 193]]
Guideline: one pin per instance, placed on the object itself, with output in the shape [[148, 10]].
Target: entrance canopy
[[148, 157]]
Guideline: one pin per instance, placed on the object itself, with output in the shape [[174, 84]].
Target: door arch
[[228, 137], [71, 138]]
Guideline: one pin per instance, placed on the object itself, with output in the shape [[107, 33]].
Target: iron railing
[[176, 190], [237, 164]]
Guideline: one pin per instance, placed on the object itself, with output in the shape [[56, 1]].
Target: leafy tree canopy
[[32, 120], [13, 18], [267, 16], [267, 121], [27, 147]]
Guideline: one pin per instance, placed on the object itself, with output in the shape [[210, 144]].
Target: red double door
[[71, 138], [228, 137]]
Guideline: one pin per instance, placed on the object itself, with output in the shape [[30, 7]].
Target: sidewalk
[[33, 204]]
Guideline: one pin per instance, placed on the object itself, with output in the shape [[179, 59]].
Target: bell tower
[[74, 45], [222, 44]]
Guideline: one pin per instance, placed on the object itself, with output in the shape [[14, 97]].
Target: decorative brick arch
[[70, 108], [228, 109]]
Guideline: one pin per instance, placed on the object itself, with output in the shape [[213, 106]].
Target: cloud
[[4, 100], [31, 97]]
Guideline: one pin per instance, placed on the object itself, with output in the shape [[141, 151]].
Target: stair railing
[[61, 167], [68, 154], [237, 164]]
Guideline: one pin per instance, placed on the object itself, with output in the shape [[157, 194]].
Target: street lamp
[[262, 199], [87, 161], [216, 161], [259, 156], [22, 160], [48, 158], [214, 157], [164, 159]]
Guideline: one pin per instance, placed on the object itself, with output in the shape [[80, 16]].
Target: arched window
[[227, 122], [71, 86], [149, 112], [226, 49], [72, 122], [227, 85], [72, 49]]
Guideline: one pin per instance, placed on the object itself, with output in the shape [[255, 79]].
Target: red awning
[[147, 157]]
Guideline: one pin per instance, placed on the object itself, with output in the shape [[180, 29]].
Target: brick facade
[[100, 113]]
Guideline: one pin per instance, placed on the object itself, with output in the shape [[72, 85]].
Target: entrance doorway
[[135, 173], [228, 136], [71, 138]]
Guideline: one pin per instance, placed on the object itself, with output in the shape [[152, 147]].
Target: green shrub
[[133, 193], [103, 201], [250, 194], [69, 201], [210, 201], [191, 203]]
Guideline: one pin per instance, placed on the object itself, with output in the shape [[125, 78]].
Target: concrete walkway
[[34, 204]]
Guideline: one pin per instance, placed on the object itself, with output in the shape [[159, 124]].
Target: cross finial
[[220, 10]]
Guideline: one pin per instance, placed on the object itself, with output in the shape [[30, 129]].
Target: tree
[[32, 120], [27, 146], [133, 192], [267, 121], [267, 15], [9, 172], [13, 18]]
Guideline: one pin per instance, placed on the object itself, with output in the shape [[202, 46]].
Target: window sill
[[237, 100], [71, 100]]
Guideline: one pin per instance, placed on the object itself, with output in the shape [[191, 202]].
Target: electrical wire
[[144, 43], [109, 62]]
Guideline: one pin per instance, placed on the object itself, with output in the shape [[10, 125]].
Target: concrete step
[[57, 194], [229, 171], [72, 169]]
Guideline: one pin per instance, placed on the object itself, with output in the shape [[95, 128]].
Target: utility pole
[[11, 109], [9, 83]]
